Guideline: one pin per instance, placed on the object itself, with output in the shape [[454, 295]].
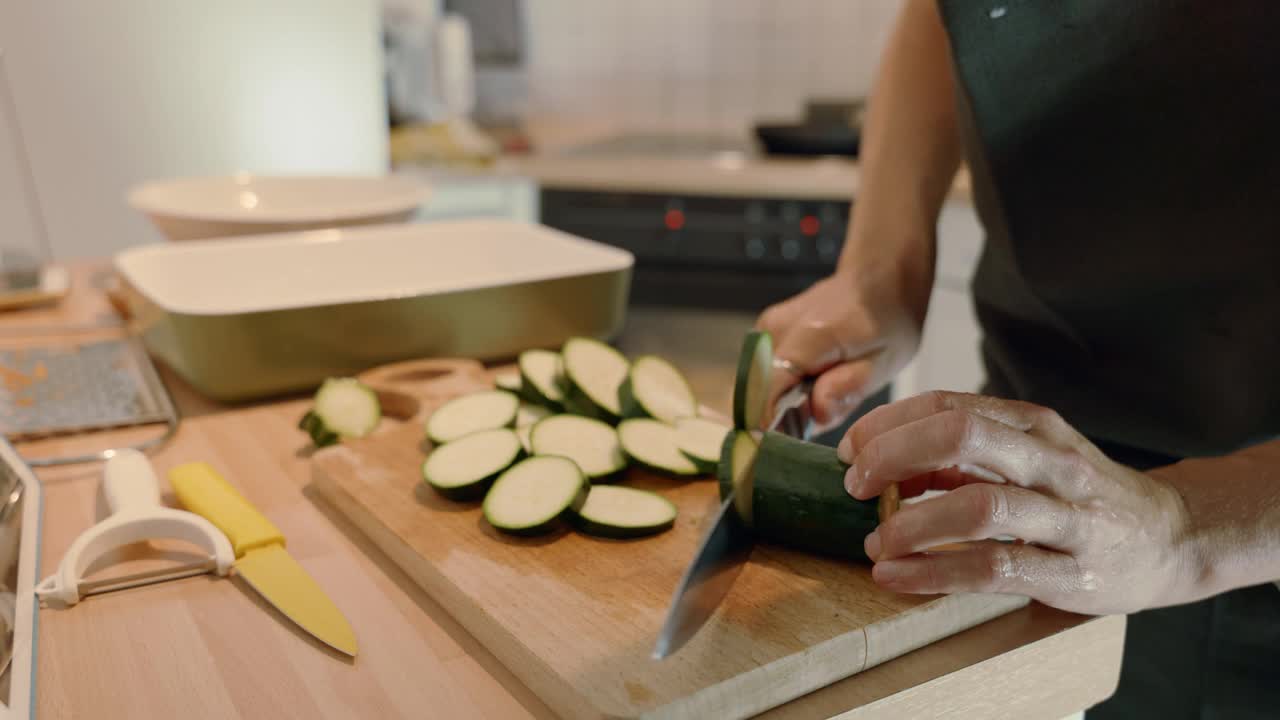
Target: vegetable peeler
[[133, 494]]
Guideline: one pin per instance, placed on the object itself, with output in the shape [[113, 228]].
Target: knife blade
[[726, 547], [261, 557]]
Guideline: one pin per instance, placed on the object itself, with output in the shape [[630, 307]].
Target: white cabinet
[[949, 356]]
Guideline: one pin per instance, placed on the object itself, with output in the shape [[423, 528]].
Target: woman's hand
[[1096, 537], [855, 330]]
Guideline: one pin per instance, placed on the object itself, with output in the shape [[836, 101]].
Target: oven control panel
[[708, 251]]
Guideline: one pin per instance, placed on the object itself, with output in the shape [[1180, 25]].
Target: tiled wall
[[715, 63]]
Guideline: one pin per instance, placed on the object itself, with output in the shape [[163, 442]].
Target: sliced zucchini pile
[[542, 378], [561, 409], [700, 440], [510, 382], [462, 416], [655, 388], [593, 373], [530, 414], [533, 496], [591, 444], [789, 491], [343, 408], [622, 512], [653, 445], [464, 468]]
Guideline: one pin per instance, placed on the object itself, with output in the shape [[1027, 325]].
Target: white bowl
[[245, 204]]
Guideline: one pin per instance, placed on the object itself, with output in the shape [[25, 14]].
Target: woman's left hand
[[1096, 537]]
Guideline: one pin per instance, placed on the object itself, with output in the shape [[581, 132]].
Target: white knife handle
[[130, 483]]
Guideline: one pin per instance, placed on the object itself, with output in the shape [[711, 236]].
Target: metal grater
[[71, 389]]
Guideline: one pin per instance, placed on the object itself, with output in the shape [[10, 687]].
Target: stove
[[712, 222]]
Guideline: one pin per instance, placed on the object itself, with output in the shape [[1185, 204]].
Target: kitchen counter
[[557, 162], [207, 648]]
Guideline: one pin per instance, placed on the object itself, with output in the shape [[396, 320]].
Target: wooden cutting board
[[576, 617]]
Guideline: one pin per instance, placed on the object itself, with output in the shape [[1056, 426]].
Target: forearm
[[1232, 519], [909, 156]]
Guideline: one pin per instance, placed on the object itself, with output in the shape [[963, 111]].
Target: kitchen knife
[[725, 548], [261, 558]]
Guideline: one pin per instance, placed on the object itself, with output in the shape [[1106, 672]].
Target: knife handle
[[204, 492]]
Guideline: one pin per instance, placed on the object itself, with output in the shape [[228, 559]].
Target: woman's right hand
[[854, 330]]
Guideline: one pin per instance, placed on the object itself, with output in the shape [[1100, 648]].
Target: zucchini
[[622, 512], [530, 414], [737, 470], [542, 378], [509, 381], [653, 445], [464, 469], [700, 440], [751, 384], [575, 403], [593, 373], [591, 444], [655, 388], [482, 410], [343, 408], [798, 499], [534, 495]]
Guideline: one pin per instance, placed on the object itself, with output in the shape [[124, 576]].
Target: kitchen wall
[[716, 63], [110, 94]]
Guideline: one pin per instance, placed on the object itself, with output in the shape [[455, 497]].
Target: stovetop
[[666, 145]]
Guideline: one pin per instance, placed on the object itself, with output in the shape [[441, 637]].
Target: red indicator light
[[674, 220], [809, 225]]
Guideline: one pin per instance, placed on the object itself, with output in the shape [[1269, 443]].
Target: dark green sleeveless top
[[1126, 165]]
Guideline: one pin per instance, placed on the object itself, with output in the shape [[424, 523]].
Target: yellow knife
[[261, 558]]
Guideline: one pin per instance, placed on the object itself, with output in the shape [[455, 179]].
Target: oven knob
[[755, 212], [828, 248], [791, 211], [755, 247], [790, 249]]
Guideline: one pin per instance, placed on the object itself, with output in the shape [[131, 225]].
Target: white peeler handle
[[129, 482], [133, 495]]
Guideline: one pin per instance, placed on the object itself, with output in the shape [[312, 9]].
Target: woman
[[1127, 171]]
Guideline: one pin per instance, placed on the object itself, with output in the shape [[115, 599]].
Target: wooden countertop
[[208, 648]]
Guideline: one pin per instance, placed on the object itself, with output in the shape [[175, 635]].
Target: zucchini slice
[[542, 377], [653, 444], [343, 408], [700, 440], [622, 512], [532, 496], [593, 373], [530, 414], [751, 385], [589, 443], [799, 500], [509, 381], [737, 471], [655, 388], [482, 410], [464, 469], [523, 433]]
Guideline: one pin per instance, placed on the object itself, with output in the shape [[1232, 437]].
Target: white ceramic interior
[[337, 266], [246, 204]]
